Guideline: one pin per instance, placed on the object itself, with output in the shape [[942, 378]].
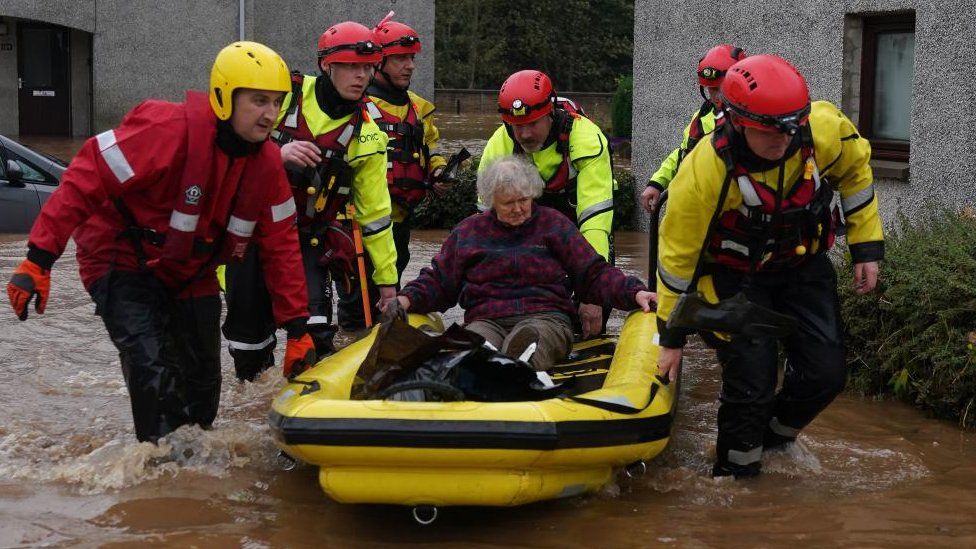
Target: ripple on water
[[121, 462]]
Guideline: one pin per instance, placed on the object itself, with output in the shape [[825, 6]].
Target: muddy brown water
[[866, 473]]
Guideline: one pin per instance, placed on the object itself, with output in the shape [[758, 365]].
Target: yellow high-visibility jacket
[[366, 155], [842, 157], [669, 166], [425, 111], [589, 155]]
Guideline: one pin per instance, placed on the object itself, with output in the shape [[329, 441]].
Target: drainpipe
[[240, 18]]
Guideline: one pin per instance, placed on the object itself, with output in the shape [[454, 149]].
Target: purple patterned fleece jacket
[[494, 270]]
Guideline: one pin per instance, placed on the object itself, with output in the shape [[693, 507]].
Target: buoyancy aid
[[320, 192], [771, 230], [696, 130], [184, 237], [407, 154]]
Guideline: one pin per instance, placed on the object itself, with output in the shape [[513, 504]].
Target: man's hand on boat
[[669, 362]]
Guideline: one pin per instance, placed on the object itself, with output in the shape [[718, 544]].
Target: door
[[43, 65]]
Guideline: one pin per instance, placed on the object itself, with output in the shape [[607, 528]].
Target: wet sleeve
[[432, 138], [371, 198], [276, 236], [594, 188], [854, 179], [691, 204]]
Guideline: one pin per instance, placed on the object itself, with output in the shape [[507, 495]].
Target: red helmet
[[766, 92], [525, 96], [396, 38], [349, 42], [712, 67]]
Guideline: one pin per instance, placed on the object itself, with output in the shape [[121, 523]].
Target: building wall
[[670, 37], [81, 83], [145, 48], [9, 112]]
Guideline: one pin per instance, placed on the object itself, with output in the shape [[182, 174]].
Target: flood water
[[866, 473]]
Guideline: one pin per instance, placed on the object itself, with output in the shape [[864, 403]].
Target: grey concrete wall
[[151, 49], [145, 48], [670, 37]]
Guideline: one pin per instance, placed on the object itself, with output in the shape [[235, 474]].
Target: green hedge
[[913, 338], [622, 106], [444, 212]]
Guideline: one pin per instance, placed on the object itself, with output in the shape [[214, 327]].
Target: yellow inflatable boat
[[480, 453]]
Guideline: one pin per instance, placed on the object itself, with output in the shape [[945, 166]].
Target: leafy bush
[[460, 201], [914, 336], [622, 106]]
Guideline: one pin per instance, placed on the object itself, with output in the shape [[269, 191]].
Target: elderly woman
[[513, 267]]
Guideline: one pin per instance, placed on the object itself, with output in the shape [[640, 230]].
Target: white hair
[[512, 174]]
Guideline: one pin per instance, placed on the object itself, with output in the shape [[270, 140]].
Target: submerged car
[[27, 179]]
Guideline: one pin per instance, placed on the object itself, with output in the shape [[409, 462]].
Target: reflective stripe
[[240, 346], [858, 199], [113, 156], [376, 226], [816, 177], [734, 246], [317, 320], [745, 458], [674, 282], [573, 172], [374, 111], [719, 115], [346, 135], [343, 190], [782, 430], [749, 195], [291, 121], [482, 207], [284, 210], [594, 210], [183, 222], [241, 227], [656, 339]]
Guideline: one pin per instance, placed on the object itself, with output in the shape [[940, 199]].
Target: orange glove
[[29, 280], [299, 355]]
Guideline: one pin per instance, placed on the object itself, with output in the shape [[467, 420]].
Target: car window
[[32, 173]]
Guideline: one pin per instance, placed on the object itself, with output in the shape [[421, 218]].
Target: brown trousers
[[552, 332]]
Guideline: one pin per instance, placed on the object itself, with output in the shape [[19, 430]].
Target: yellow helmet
[[245, 65]]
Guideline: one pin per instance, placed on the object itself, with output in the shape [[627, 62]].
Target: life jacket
[[406, 154], [181, 241], [560, 189], [696, 131], [764, 235], [320, 192]]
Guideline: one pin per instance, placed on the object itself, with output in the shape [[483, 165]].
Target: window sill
[[890, 169]]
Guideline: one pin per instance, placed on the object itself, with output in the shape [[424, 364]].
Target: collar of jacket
[[391, 95], [231, 143], [528, 222], [328, 98], [754, 163]]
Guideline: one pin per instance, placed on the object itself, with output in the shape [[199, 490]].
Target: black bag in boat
[[406, 363]]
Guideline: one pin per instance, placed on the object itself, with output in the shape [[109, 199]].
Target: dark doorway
[[43, 64]]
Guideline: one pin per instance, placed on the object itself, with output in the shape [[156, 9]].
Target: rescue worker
[[413, 165], [154, 205], [572, 156], [711, 72], [750, 213], [335, 156]]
